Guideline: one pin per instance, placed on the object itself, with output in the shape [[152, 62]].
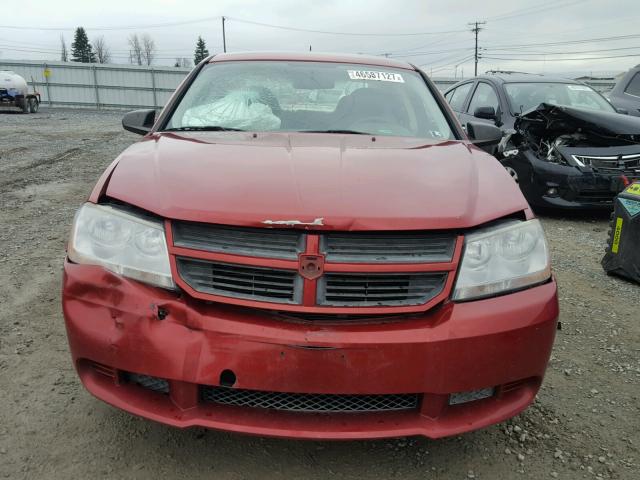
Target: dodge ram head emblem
[[311, 266]]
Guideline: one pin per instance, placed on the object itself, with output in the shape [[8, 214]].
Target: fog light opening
[[470, 396], [552, 192], [227, 378]]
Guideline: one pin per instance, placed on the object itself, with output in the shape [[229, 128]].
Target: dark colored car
[[564, 143], [307, 245], [626, 94]]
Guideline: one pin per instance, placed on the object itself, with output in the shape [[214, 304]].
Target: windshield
[[525, 96], [310, 97]]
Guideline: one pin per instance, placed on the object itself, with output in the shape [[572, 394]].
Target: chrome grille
[[629, 164], [252, 242], [376, 289], [241, 281], [309, 402], [388, 247]]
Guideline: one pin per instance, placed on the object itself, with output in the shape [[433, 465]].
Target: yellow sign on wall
[[47, 73]]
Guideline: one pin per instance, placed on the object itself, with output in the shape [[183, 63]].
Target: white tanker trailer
[[14, 92]]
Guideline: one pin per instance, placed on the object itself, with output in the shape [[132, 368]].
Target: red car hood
[[351, 182]]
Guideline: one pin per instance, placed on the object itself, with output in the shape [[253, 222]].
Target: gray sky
[[511, 29]]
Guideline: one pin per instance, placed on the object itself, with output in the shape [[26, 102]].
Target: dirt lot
[[585, 423]]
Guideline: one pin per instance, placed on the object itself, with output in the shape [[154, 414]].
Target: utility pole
[[224, 37], [476, 29]]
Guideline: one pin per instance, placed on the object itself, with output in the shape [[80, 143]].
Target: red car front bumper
[[116, 325]]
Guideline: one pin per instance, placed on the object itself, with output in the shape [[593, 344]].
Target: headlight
[[502, 258], [121, 242]]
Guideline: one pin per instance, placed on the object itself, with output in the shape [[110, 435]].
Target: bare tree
[[136, 54], [148, 49], [64, 54], [101, 50]]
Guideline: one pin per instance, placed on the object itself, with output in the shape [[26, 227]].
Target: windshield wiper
[[353, 132], [204, 128]]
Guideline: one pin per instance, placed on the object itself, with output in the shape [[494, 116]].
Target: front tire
[[512, 171]]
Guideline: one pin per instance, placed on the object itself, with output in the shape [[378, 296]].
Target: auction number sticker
[[376, 76]]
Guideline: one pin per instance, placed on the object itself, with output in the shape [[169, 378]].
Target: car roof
[[312, 57], [519, 77]]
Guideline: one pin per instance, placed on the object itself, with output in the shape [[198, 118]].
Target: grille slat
[[396, 295], [244, 286], [238, 271], [338, 289], [310, 402], [388, 248], [254, 242], [239, 281]]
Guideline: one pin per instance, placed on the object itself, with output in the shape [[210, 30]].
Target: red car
[[309, 246]]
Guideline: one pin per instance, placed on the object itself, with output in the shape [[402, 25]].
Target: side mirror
[[622, 111], [139, 121], [483, 134], [488, 113]]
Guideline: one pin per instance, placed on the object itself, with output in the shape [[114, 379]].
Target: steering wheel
[[380, 126]]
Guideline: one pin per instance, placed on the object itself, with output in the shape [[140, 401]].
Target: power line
[[534, 10], [444, 38], [355, 34], [456, 62], [568, 42], [562, 59], [453, 59], [420, 54], [121, 27], [496, 51]]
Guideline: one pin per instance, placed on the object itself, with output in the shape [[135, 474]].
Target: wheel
[[33, 105], [512, 171]]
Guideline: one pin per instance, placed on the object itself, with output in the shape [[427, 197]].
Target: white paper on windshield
[[580, 88], [374, 75]]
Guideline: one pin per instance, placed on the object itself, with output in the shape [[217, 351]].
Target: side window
[[484, 96], [459, 96], [634, 86], [449, 94]]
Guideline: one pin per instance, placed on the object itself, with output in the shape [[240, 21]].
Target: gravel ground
[[585, 422]]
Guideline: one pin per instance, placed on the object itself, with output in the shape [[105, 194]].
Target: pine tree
[[201, 51], [81, 50]]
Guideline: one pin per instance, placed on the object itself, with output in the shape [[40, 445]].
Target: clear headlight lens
[[502, 258], [121, 242]]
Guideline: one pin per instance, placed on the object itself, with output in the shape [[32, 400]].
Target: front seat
[[365, 103]]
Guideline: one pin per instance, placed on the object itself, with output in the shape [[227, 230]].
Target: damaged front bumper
[[184, 350], [547, 184]]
